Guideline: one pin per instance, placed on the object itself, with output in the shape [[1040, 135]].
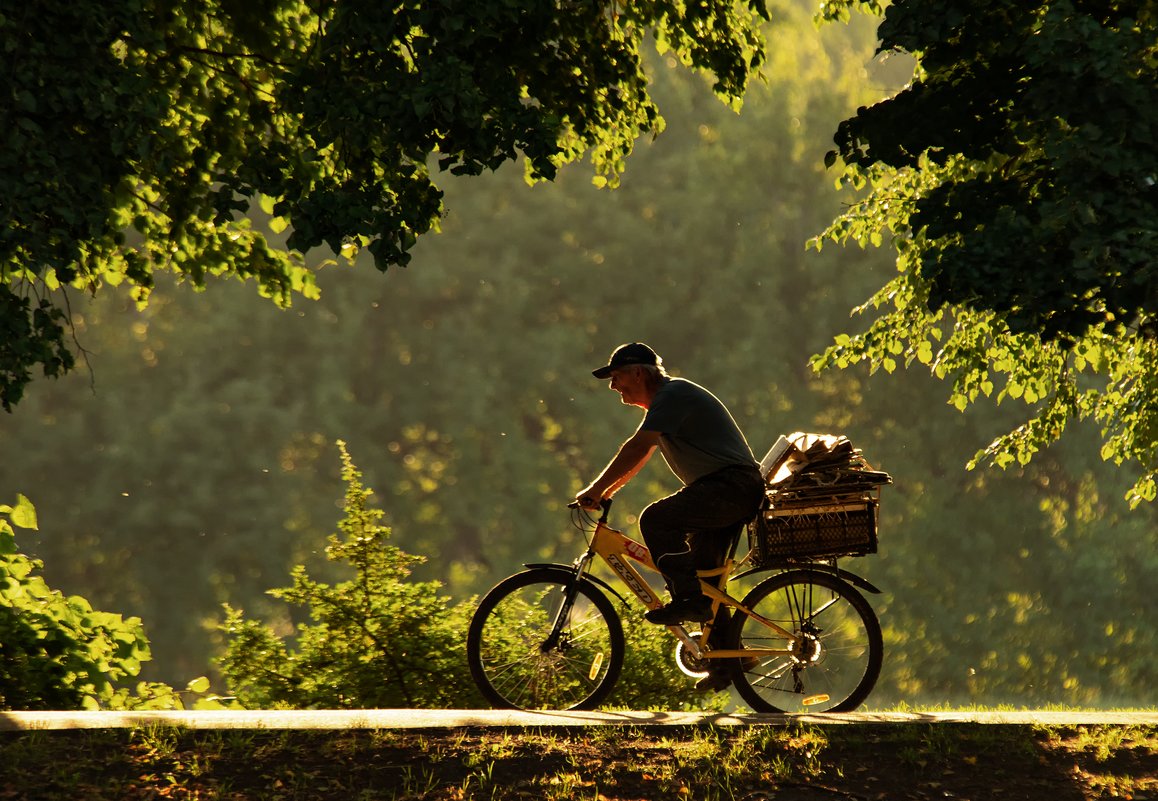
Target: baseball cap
[[624, 355]]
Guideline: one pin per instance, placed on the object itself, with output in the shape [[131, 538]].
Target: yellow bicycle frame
[[619, 551]]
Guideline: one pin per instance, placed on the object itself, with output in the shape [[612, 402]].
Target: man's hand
[[587, 499]]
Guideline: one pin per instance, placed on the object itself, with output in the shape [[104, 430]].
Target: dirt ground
[[756, 763]]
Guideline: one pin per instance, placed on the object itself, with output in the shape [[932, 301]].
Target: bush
[[58, 652], [375, 641]]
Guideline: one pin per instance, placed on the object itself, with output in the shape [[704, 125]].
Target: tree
[[1017, 178], [136, 133]]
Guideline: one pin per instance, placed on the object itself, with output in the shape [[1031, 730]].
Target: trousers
[[693, 528]]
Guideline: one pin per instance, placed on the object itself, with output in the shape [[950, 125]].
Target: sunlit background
[[191, 460]]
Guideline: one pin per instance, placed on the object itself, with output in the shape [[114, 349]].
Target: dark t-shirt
[[698, 434]]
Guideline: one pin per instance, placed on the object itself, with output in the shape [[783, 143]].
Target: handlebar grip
[[604, 504]]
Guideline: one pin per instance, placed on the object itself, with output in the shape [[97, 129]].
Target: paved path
[[464, 718]]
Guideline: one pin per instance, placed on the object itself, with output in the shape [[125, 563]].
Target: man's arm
[[632, 456]]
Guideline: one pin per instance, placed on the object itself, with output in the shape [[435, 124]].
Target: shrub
[[58, 652], [378, 640]]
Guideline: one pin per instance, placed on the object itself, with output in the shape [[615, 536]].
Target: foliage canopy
[[1018, 179], [137, 133]]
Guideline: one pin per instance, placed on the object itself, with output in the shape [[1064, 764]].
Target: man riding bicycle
[[701, 443]]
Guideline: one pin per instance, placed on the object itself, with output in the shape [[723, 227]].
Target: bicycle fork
[[566, 603]]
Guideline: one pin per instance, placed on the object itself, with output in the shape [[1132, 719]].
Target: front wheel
[[831, 661], [540, 641]]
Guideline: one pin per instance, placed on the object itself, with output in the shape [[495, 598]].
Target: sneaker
[[682, 610]]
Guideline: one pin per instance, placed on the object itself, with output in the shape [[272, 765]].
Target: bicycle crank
[[688, 663]]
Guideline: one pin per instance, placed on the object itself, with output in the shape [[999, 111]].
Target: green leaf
[[198, 685], [23, 514]]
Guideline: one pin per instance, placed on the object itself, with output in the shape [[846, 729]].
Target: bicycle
[[549, 638]]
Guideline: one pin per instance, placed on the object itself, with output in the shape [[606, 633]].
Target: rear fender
[[851, 578]]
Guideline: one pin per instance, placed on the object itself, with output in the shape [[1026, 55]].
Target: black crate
[[812, 532]]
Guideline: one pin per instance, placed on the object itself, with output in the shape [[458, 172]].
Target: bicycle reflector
[[595, 664], [812, 700]]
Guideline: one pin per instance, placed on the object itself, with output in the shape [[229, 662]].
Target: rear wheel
[[832, 660], [530, 649]]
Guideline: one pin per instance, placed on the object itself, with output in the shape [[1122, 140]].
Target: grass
[[753, 763]]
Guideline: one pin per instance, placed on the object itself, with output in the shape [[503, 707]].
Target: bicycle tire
[[508, 632], [834, 663]]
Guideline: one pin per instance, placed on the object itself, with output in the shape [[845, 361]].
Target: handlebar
[[604, 504]]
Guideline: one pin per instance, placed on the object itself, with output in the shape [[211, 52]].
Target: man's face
[[631, 385]]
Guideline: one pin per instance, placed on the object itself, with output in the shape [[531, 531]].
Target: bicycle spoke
[[834, 652], [506, 641]]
